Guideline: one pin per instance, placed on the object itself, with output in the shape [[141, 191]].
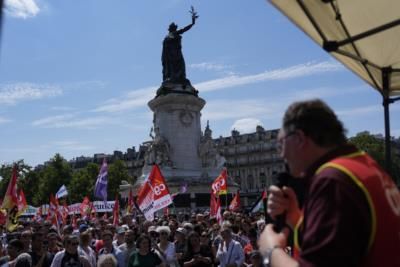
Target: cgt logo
[[158, 189], [217, 185]]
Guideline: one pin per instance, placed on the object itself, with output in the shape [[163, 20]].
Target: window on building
[[250, 182], [263, 180]]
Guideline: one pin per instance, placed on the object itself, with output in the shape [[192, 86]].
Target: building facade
[[251, 160]]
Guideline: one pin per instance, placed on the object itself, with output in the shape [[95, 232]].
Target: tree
[[82, 183], [52, 177], [30, 184], [24, 177], [375, 147], [116, 173]]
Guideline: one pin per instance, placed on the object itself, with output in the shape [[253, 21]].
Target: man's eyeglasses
[[283, 138], [73, 243]]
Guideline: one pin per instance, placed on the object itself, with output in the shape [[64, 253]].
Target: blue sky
[[76, 76]]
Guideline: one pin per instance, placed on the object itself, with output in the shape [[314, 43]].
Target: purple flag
[[100, 190]]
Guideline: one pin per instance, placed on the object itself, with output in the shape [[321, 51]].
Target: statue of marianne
[[172, 58]]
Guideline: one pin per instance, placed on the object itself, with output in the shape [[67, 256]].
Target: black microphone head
[[281, 179]]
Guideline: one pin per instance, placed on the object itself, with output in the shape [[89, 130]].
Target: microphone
[[280, 180]]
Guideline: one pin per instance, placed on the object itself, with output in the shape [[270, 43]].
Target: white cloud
[[73, 121], [71, 145], [272, 108], [14, 93], [52, 120], [22, 8], [359, 111], [139, 98], [62, 108], [234, 109], [296, 71], [134, 99], [246, 125], [210, 66], [4, 120]]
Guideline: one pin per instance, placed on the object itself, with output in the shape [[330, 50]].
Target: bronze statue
[[173, 63]]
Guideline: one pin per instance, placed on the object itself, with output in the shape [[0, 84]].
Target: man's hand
[[281, 200], [269, 239]]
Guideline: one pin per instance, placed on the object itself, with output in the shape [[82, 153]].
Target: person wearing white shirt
[[230, 252]]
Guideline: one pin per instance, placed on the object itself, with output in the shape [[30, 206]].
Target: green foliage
[[375, 147], [24, 177], [116, 173], [52, 177], [82, 183], [30, 184], [5, 173], [38, 185]]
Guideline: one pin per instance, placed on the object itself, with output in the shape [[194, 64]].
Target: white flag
[[62, 192]]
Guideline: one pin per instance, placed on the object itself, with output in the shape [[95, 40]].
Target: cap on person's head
[[53, 229], [181, 230], [163, 229], [121, 230], [226, 226], [83, 227], [152, 229], [188, 226]]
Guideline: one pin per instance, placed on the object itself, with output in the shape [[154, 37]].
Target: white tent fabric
[[337, 20], [362, 34]]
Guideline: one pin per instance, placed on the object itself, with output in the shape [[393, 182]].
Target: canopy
[[362, 34]]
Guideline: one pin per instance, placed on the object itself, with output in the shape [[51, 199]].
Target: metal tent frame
[[336, 47]]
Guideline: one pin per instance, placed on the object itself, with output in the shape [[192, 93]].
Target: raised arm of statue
[[194, 17]]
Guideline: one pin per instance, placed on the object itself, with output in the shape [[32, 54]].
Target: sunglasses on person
[[73, 243]]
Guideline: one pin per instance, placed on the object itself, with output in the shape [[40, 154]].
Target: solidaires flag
[[100, 190]]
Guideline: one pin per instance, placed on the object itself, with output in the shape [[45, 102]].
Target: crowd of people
[[195, 240], [349, 215]]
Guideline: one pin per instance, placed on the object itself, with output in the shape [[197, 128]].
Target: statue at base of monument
[[174, 70], [159, 150]]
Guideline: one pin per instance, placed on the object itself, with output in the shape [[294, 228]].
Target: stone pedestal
[[178, 118], [178, 142]]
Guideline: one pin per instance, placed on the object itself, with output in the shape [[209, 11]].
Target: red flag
[[218, 215], [10, 202], [54, 215], [11, 198], [3, 214], [116, 212], [3, 217], [153, 194], [74, 222], [213, 205], [22, 205], [219, 186], [86, 208], [235, 203], [131, 205], [38, 215], [105, 217], [264, 194], [64, 213]]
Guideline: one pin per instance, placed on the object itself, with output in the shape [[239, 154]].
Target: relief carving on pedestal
[[159, 151], [186, 118]]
